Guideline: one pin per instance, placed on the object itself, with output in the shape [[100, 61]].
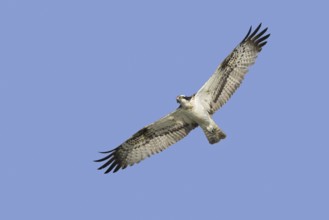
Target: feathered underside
[[213, 94], [152, 139], [230, 73]]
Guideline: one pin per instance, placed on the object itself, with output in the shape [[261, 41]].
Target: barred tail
[[214, 135]]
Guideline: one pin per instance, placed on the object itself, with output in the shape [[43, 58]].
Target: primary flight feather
[[193, 111]]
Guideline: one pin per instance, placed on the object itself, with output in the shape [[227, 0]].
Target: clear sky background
[[78, 77]]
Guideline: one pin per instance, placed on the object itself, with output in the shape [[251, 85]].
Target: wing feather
[[230, 73], [152, 139]]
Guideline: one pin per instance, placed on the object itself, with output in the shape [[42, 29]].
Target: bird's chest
[[198, 114]]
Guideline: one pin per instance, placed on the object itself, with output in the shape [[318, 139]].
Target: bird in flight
[[193, 111]]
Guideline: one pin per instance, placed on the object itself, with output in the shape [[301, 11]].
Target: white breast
[[198, 113]]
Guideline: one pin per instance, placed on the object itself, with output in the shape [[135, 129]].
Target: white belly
[[199, 115]]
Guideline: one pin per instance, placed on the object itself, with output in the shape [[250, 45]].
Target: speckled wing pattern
[[152, 139], [230, 73]]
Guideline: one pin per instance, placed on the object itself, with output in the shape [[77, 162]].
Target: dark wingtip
[[116, 168], [104, 158], [110, 161], [263, 44], [106, 152], [257, 38], [247, 35], [114, 164], [255, 31]]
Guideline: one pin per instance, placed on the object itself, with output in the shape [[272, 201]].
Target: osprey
[[193, 111]]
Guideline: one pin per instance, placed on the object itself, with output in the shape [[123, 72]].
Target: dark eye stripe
[[188, 98]]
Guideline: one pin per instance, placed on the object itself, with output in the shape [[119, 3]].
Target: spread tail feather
[[214, 135]]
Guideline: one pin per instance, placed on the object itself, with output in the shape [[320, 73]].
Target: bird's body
[[193, 111], [197, 113]]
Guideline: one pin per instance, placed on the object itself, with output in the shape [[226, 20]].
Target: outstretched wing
[[230, 73], [150, 140]]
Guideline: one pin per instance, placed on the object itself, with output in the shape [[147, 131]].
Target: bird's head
[[183, 100], [180, 98]]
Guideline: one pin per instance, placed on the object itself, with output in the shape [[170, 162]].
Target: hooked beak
[[177, 99]]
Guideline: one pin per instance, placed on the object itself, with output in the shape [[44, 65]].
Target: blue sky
[[78, 77]]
